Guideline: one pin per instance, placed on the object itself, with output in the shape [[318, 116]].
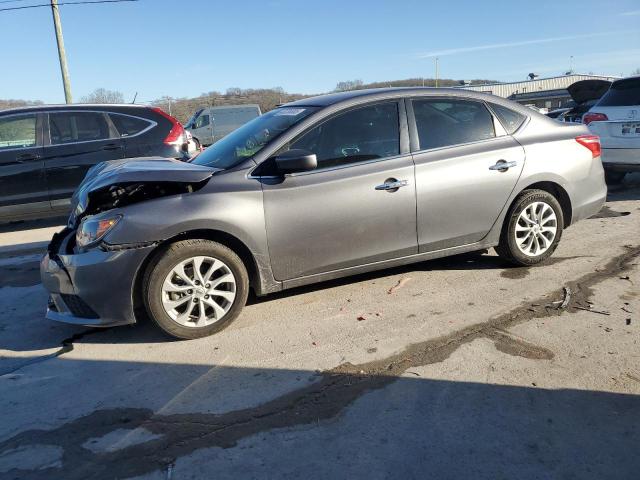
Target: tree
[[349, 85], [102, 95], [635, 72]]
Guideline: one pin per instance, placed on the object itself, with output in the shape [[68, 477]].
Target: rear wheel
[[195, 288], [532, 229]]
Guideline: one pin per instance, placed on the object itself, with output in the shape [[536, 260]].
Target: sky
[[189, 47]]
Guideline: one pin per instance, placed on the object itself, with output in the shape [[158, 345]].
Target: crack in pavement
[[66, 347], [327, 398]]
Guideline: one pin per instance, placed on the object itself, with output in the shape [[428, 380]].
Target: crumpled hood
[[586, 90], [132, 170]]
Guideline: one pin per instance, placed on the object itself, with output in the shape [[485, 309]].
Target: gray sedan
[[314, 190]]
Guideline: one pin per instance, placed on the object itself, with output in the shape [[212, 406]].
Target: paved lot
[[456, 368]]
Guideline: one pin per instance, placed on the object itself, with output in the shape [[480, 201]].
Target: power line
[[85, 2]]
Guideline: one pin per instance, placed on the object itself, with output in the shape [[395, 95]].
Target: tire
[[227, 286], [513, 244], [198, 145], [614, 178]]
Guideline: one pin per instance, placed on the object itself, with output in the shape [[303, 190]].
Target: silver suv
[[314, 190], [616, 120]]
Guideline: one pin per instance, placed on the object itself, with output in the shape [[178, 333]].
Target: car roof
[[339, 97], [70, 106]]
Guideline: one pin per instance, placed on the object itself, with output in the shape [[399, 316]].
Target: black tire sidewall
[[162, 264], [508, 247]]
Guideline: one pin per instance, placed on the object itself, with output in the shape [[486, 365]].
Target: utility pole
[[436, 72], [61, 52]]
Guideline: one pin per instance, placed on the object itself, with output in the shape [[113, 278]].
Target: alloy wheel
[[536, 229], [199, 291]]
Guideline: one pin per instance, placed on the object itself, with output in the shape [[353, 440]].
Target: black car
[[45, 151]]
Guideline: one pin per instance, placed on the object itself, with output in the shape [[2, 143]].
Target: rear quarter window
[[510, 119], [127, 125], [622, 93]]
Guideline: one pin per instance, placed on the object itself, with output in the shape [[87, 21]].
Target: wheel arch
[[224, 238], [558, 192]]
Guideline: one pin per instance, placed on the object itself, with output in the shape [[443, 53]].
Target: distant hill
[[4, 104], [267, 98]]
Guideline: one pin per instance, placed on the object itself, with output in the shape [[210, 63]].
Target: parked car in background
[[584, 94], [208, 125], [45, 151], [557, 113], [616, 120], [314, 190]]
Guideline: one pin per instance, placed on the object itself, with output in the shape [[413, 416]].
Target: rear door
[[341, 214], [23, 188], [74, 142], [466, 168]]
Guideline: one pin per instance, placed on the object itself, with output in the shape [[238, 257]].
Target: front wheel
[[195, 288], [532, 229]]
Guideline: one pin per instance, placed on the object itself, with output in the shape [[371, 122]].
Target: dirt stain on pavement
[[336, 389], [506, 343]]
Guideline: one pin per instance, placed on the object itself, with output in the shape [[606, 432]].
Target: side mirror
[[296, 160]]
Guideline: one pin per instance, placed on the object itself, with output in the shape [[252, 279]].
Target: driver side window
[[202, 121], [365, 133]]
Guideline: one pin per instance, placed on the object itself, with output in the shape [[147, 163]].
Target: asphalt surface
[[455, 368]]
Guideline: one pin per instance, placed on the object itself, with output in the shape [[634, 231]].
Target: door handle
[[392, 185], [502, 165], [111, 146], [25, 157]]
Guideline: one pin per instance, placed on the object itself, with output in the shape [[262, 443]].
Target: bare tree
[[349, 85], [102, 95]]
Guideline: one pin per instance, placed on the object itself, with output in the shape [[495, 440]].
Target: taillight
[[594, 117], [176, 135], [592, 142]]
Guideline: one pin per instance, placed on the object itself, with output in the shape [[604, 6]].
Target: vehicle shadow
[[629, 189], [123, 419], [467, 261], [23, 225]]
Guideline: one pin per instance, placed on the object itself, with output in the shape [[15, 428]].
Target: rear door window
[[623, 93], [127, 125], [443, 122], [71, 127], [17, 131], [366, 133]]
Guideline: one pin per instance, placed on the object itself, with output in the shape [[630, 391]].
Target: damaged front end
[[79, 267], [117, 184]]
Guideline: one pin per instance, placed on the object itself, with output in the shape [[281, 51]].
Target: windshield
[[192, 118], [249, 139]]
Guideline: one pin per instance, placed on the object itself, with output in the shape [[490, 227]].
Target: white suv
[[616, 120]]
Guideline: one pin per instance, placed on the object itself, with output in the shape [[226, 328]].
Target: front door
[[466, 169], [23, 187], [203, 129], [357, 207], [77, 141]]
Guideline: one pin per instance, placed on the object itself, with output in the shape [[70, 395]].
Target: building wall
[[542, 92]]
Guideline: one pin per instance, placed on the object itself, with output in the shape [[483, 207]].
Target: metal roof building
[[541, 92]]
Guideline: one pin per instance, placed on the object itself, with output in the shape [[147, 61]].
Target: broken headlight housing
[[92, 230]]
